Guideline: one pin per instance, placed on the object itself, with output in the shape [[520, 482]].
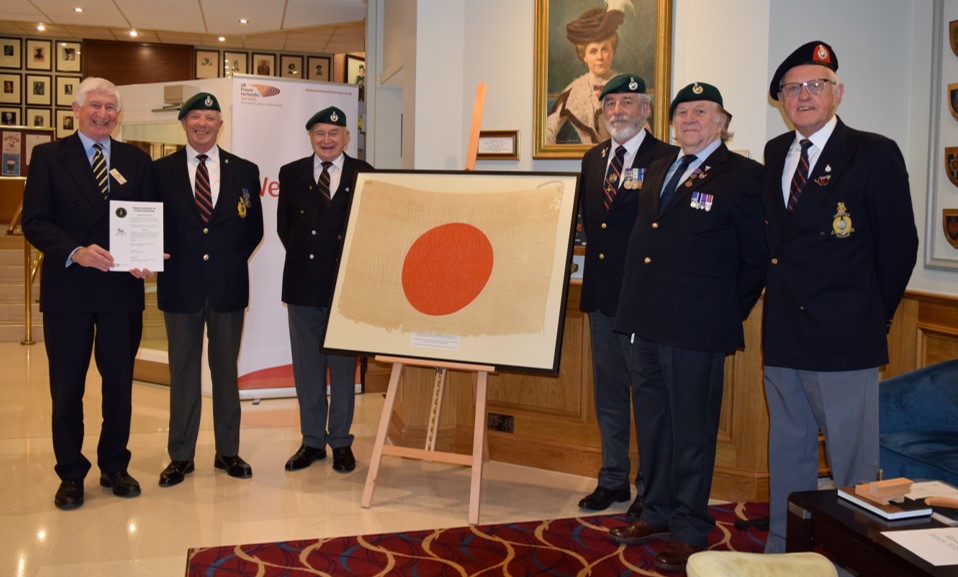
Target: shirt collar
[[820, 138], [337, 162], [212, 155], [89, 142]]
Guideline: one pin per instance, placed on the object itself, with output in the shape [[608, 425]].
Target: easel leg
[[377, 455], [435, 410], [479, 453]]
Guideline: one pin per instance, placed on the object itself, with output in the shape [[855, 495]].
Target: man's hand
[[94, 256]]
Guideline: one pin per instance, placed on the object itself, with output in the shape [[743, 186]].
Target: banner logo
[[263, 90]]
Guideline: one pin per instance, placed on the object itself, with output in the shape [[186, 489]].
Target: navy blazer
[[208, 260], [63, 209], [312, 230], [830, 294], [607, 231], [693, 273]]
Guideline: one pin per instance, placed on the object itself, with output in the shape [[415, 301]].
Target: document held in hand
[[136, 235]]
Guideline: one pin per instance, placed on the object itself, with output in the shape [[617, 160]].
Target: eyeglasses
[[815, 87]]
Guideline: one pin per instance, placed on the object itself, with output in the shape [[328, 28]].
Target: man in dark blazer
[[694, 268], [86, 308], [843, 243], [314, 198], [213, 223], [612, 176]]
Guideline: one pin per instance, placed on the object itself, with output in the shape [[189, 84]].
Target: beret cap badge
[[697, 88]]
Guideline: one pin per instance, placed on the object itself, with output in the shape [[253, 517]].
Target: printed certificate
[[136, 235]]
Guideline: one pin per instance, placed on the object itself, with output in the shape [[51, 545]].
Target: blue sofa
[[919, 424]]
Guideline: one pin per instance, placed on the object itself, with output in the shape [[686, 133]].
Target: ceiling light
[[41, 27], [78, 10], [134, 33], [243, 21], [222, 39]]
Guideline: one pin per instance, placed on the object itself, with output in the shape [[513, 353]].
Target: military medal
[[632, 178], [697, 173], [842, 224], [701, 201]]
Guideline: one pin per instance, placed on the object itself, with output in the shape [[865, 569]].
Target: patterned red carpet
[[563, 547]]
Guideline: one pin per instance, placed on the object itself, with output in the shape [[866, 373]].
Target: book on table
[[904, 510]]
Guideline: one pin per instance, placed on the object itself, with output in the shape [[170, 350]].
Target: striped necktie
[[324, 181], [799, 178], [612, 176], [99, 170], [204, 199]]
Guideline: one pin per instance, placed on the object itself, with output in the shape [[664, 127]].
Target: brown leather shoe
[[638, 532], [675, 556]]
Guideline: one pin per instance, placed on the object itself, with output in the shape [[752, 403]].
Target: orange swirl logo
[[265, 90]]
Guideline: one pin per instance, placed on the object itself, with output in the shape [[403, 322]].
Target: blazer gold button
[[604, 225], [206, 231], [601, 256], [655, 225], [647, 260], [311, 257], [206, 257], [774, 261], [313, 232]]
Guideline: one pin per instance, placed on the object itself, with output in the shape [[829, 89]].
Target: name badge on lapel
[[243, 204]]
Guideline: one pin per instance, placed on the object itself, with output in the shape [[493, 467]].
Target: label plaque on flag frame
[[463, 267]]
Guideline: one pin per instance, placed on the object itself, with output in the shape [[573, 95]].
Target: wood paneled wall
[[554, 418], [137, 63]]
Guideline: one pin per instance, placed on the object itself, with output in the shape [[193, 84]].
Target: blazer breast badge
[[842, 223]]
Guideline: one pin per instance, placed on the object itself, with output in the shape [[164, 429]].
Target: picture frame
[[319, 68], [206, 64], [38, 89], [39, 55], [291, 66], [941, 209], [498, 145], [10, 88], [263, 64], [11, 53], [235, 63], [68, 56], [66, 123], [18, 145], [400, 307], [644, 47], [38, 118], [10, 116], [66, 88], [355, 69]]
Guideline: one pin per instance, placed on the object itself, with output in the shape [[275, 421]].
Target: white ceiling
[[325, 26]]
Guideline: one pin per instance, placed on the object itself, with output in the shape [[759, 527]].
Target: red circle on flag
[[446, 268]]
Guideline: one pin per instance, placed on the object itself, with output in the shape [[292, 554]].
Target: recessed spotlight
[[243, 21], [78, 10], [134, 33], [41, 27], [222, 38]]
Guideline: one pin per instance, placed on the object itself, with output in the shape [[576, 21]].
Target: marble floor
[[149, 536]]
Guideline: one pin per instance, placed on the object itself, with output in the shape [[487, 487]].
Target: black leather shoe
[[675, 556], [635, 509], [343, 460], [69, 495], [235, 466], [304, 457], [638, 532], [122, 483], [174, 473], [601, 498]]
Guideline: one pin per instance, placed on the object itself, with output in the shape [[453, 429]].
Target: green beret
[[331, 115], [696, 91], [814, 52], [623, 83], [199, 101]]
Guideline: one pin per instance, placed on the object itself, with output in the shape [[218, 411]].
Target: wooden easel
[[480, 452]]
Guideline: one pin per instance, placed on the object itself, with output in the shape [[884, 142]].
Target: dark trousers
[[113, 339], [614, 399], [679, 402], [184, 333]]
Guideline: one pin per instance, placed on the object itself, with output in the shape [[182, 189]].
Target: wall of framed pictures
[[37, 81], [210, 63]]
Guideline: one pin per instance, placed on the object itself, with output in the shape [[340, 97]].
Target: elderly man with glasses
[[842, 245]]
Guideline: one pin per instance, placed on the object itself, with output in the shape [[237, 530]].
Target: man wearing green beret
[[314, 198], [213, 221], [612, 177], [694, 268]]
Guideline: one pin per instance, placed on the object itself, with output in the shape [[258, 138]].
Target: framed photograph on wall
[[68, 56], [235, 63], [355, 70], [39, 90], [10, 88], [66, 88], [566, 84], [38, 118], [10, 116], [207, 64], [39, 55], [11, 55], [264, 64], [318, 68], [65, 123], [291, 66]]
